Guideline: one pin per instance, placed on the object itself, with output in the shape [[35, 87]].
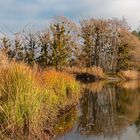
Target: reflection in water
[[65, 123], [108, 112], [131, 85], [137, 123], [95, 87]]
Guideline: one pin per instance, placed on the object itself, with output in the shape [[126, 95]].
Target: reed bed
[[64, 86], [31, 100]]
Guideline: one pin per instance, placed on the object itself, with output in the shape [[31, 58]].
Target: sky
[[16, 14]]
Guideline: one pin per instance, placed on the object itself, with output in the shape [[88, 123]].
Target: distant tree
[[18, 48], [136, 33], [7, 47], [123, 53], [94, 34], [60, 45], [30, 47], [127, 50], [108, 44], [74, 33], [44, 58], [102, 42], [87, 31]]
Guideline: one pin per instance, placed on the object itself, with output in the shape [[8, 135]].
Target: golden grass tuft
[[64, 86], [30, 100], [21, 98], [3, 60], [129, 75]]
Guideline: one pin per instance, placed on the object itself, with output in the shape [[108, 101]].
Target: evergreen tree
[[18, 48], [30, 47], [7, 47], [60, 45], [45, 52]]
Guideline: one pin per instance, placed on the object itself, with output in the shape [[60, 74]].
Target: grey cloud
[[16, 13]]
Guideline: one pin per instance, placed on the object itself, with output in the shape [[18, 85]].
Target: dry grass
[[64, 86], [3, 60], [21, 98], [95, 71], [29, 99], [129, 75]]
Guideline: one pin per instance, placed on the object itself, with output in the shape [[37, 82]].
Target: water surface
[[108, 111]]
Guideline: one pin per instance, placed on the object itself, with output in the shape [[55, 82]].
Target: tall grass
[[64, 86], [22, 98], [3, 60], [29, 99]]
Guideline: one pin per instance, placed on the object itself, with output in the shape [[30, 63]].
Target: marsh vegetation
[[47, 76], [107, 111]]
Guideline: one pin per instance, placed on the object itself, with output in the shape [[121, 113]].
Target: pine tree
[[44, 58], [60, 45], [18, 48], [30, 47], [7, 47]]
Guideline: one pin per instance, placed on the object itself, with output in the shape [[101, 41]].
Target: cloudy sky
[[15, 14]]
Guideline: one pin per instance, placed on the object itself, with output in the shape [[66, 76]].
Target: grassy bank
[[93, 74], [86, 74], [30, 100]]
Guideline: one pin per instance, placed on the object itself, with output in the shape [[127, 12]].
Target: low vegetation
[[129, 75], [29, 99], [86, 75], [63, 84], [38, 70]]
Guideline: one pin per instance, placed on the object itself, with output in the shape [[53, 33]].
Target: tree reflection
[[108, 111]]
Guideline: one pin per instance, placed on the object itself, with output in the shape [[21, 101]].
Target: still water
[[107, 111]]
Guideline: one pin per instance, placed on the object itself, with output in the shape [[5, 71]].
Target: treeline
[[108, 44]]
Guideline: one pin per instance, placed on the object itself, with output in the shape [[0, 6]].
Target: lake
[[106, 111]]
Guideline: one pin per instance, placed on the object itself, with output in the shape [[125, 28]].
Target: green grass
[[30, 99], [22, 98], [64, 86]]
